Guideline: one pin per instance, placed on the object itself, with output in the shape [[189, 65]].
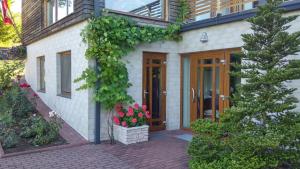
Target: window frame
[[164, 12], [60, 78], [55, 19], [41, 76]]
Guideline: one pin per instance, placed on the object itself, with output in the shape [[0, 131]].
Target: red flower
[[116, 120], [121, 114], [148, 115], [124, 124], [130, 112], [134, 120], [136, 106], [130, 109], [35, 95], [140, 115], [144, 107], [24, 85], [118, 107]]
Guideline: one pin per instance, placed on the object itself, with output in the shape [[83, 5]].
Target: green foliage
[[110, 38], [15, 102], [39, 131], [183, 11], [8, 35], [8, 137], [8, 71], [261, 130]]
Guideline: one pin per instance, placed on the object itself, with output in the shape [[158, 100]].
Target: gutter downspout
[[98, 105]]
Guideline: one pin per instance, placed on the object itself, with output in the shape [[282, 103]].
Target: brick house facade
[[210, 37]]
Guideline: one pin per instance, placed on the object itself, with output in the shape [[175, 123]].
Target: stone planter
[[131, 135]]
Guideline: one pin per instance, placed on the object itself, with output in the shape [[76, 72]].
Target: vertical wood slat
[[213, 103], [200, 7]]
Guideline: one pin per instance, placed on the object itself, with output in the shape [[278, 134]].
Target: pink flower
[[124, 124], [144, 107], [148, 115], [116, 120], [118, 107], [136, 106], [130, 109], [140, 115], [134, 120], [121, 114], [24, 85], [35, 95], [130, 112]]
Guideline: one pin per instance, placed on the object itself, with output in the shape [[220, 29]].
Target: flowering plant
[[131, 117]]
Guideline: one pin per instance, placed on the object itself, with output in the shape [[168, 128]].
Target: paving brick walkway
[[163, 151]]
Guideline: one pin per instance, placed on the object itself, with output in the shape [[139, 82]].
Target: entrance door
[[154, 88], [209, 85]]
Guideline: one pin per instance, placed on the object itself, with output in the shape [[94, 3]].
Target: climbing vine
[[109, 38]]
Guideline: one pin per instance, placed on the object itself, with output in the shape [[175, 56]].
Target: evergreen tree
[[262, 129]]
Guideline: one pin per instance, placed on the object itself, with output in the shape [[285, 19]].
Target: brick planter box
[[131, 135]]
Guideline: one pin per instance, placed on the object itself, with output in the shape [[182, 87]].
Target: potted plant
[[130, 124]]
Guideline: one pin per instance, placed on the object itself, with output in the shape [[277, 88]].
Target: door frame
[[227, 53], [163, 57]]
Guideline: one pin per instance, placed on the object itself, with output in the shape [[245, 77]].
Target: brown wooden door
[[209, 85], [154, 88]]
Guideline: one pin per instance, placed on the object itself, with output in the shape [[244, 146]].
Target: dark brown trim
[[139, 18]]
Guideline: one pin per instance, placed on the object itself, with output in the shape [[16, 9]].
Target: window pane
[[42, 73], [151, 8], [61, 9], [51, 13], [66, 74], [70, 6], [186, 92]]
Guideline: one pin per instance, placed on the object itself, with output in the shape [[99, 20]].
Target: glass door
[[209, 85], [154, 88]]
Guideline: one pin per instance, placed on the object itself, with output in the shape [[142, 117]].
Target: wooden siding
[[34, 25], [34, 19]]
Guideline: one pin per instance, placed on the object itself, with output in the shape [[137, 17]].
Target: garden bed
[[24, 145], [22, 128]]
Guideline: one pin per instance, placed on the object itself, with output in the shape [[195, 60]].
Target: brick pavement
[[163, 151]]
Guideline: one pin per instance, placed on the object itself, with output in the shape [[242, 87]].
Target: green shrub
[[262, 129], [8, 71], [15, 102], [39, 131], [8, 138]]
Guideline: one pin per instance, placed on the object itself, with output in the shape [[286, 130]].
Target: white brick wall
[[77, 111]]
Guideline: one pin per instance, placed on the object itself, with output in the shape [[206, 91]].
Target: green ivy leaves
[[110, 38]]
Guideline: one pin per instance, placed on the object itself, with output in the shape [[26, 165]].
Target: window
[[41, 74], [149, 8], [58, 9], [64, 74]]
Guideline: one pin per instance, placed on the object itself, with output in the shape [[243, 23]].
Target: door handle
[[224, 97], [193, 94], [145, 93]]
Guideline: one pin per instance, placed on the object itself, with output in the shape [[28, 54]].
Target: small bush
[[8, 136], [15, 102], [39, 131], [8, 71]]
